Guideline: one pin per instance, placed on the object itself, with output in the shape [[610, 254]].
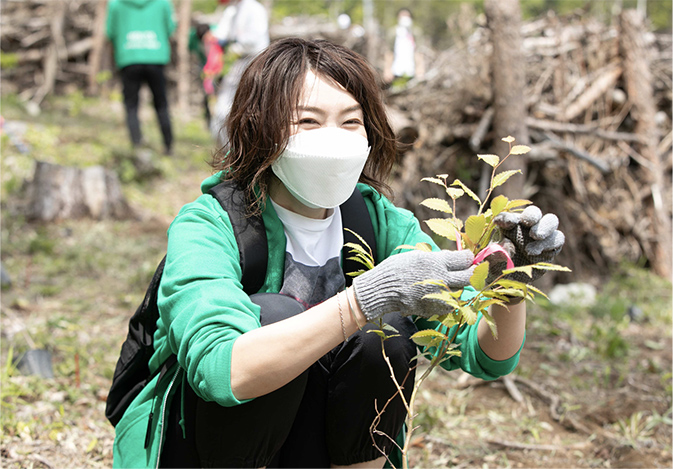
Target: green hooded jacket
[[200, 324], [140, 31]]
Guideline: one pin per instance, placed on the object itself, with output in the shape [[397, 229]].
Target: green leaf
[[364, 256], [356, 249], [478, 278], [378, 332], [507, 283], [454, 193], [527, 269], [441, 182], [501, 178], [506, 293], [360, 238], [519, 150], [498, 204], [364, 260], [428, 337], [491, 160], [488, 237], [425, 247], [437, 204], [442, 227], [516, 203], [548, 266], [467, 190], [537, 290], [474, 227], [491, 323], [484, 305], [469, 314], [92, 444], [444, 296], [449, 320], [388, 327]]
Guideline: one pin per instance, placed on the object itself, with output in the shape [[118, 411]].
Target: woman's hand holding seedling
[[399, 283]]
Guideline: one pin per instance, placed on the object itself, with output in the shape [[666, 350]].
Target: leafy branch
[[480, 235]]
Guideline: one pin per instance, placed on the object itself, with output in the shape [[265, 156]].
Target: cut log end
[[62, 192]]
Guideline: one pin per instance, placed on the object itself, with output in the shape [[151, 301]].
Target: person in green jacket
[[140, 32], [286, 386]]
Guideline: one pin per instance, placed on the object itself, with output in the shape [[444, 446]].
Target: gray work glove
[[393, 285], [529, 238]]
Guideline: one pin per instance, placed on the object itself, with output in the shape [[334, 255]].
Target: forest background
[[594, 385]]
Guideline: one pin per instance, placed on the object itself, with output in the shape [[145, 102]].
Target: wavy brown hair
[[264, 107]]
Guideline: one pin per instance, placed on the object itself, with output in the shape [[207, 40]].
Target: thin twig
[[524, 446]]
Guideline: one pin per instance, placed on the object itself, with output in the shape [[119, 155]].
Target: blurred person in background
[[404, 59], [140, 33], [208, 50], [242, 32]]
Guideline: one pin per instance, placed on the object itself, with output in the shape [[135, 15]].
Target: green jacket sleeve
[[203, 308]]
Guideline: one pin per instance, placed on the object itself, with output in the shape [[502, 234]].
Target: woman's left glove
[[532, 237], [395, 284]]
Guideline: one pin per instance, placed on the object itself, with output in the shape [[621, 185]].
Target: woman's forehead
[[319, 91]]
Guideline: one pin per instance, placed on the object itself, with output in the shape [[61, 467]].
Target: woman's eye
[[308, 121], [353, 122]]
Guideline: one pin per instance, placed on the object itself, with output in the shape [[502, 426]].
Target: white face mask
[[321, 167]]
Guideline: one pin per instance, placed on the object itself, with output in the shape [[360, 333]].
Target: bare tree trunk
[[184, 23], [98, 46], [56, 53], [639, 88], [508, 74]]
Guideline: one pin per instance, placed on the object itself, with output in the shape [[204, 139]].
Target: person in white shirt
[[243, 31]]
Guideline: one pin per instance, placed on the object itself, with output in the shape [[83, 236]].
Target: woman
[[275, 388]]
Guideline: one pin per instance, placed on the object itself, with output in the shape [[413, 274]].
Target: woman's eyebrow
[[313, 109], [317, 110], [354, 108]]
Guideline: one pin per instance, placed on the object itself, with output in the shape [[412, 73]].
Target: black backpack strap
[[131, 373], [355, 217], [250, 234]]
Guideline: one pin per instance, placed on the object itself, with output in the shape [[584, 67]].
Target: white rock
[[573, 294]]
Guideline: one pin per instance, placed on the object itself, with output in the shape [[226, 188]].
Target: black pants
[[321, 417], [133, 76]]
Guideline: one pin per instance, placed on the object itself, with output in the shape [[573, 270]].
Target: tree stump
[[61, 192]]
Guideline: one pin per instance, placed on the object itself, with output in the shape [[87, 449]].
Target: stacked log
[[599, 124], [45, 45]]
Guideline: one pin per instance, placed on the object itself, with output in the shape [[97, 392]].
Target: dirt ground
[[590, 391]]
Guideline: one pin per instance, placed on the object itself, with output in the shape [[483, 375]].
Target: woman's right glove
[[395, 284]]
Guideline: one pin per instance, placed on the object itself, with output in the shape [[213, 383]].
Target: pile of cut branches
[[601, 146]]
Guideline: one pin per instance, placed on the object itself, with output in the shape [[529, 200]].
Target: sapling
[[495, 278]]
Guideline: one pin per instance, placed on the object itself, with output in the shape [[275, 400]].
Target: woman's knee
[[399, 348]]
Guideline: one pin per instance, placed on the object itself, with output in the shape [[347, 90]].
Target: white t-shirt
[[313, 256], [404, 49], [247, 25]]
